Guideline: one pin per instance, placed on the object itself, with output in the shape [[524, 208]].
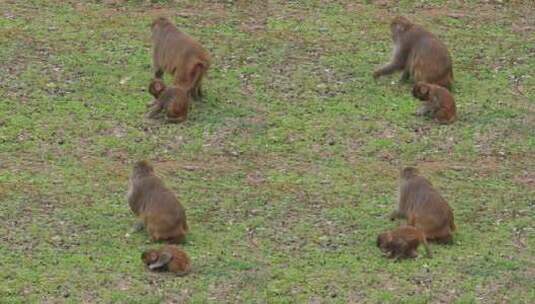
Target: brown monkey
[[180, 55], [423, 206], [437, 101], [402, 242], [156, 87], [168, 258], [419, 53], [155, 205], [174, 100]]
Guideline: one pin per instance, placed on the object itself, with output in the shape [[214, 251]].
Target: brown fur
[[402, 242], [437, 101], [156, 205], [173, 100], [424, 207], [419, 53], [180, 55], [167, 258]]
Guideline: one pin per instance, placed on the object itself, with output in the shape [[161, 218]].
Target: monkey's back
[[171, 47], [180, 262], [162, 213], [427, 210], [448, 111], [425, 202], [429, 59]]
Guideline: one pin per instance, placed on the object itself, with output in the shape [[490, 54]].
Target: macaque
[[180, 55], [156, 87], [423, 207], [173, 100], [156, 206], [419, 53], [402, 242], [437, 101], [168, 258]]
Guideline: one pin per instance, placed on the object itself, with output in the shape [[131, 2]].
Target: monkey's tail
[[452, 224]]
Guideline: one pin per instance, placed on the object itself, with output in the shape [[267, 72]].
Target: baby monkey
[[168, 258], [437, 101], [173, 100], [402, 242]]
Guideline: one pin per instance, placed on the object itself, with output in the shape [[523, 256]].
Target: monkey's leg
[[158, 73], [405, 76], [197, 92], [427, 249]]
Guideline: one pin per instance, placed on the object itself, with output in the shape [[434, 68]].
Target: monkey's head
[[156, 87], [421, 91], [159, 22], [383, 241], [409, 172], [150, 256], [399, 26], [142, 168]]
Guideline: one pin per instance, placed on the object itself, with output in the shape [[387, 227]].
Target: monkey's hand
[[151, 104], [376, 74]]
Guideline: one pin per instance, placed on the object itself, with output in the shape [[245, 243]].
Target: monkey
[[437, 101], [180, 55], [423, 207], [155, 205], [156, 87], [167, 258], [402, 242], [419, 53], [172, 99]]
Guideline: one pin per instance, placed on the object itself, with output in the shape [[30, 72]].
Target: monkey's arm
[[163, 260], [138, 227], [398, 63], [156, 108], [396, 214], [427, 107]]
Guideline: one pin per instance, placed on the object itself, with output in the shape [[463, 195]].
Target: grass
[[287, 168]]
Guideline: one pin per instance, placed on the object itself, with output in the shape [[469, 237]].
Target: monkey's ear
[[163, 260]]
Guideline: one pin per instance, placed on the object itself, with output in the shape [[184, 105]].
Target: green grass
[[287, 168]]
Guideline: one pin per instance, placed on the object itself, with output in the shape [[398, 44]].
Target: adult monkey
[[423, 207], [180, 55], [419, 53]]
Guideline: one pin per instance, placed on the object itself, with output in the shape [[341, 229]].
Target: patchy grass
[[287, 168]]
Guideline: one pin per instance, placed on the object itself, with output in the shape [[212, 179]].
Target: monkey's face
[[399, 26], [383, 240], [150, 257], [142, 168], [156, 87], [408, 172], [158, 22], [421, 91]]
